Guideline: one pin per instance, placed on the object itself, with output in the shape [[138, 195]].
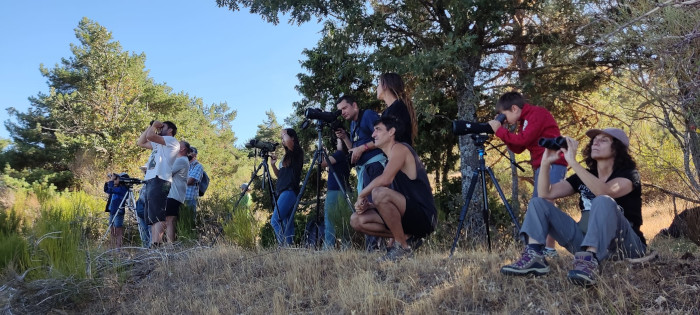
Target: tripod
[[480, 172], [127, 203], [319, 156], [266, 178]]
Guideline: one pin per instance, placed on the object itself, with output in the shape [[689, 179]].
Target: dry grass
[[229, 280]]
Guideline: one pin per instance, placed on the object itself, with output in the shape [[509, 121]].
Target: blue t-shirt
[[359, 135], [340, 168], [118, 193]]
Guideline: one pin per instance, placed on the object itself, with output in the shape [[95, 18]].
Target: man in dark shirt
[[611, 205], [368, 160], [407, 207]]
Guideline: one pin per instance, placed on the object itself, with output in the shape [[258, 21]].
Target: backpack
[[203, 184]]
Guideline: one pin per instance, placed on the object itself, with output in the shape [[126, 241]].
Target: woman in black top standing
[[288, 176], [392, 91]]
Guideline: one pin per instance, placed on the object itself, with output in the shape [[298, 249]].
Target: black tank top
[[417, 191]]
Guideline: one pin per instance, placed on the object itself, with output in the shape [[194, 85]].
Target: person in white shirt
[[160, 138]]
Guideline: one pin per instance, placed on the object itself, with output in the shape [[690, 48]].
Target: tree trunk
[[690, 104], [466, 109]]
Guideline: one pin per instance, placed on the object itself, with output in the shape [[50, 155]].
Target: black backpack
[[204, 183]]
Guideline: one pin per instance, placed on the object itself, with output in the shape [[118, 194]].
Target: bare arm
[[273, 161], [343, 136], [142, 141], [544, 188], [324, 164], [614, 188], [151, 134], [397, 159]]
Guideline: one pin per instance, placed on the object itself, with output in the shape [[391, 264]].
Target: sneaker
[[414, 242], [550, 253], [585, 266], [530, 262], [397, 252]]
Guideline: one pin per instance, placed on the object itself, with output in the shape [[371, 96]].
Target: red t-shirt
[[534, 123]]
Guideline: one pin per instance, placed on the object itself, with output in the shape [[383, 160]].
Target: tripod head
[[479, 139]]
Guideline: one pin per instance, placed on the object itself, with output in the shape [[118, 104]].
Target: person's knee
[[603, 202], [380, 195], [355, 221], [538, 204]]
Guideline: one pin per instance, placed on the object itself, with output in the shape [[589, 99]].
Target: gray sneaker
[[550, 253], [530, 262], [397, 252], [585, 266]]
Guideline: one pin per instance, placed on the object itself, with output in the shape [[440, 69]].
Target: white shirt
[[162, 157], [179, 184]]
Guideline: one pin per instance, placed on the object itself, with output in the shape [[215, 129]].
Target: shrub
[[243, 228], [63, 229], [14, 250], [185, 227]]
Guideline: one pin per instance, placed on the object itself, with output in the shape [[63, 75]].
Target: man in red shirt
[[533, 123]]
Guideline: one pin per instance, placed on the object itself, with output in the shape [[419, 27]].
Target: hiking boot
[[397, 252], [585, 266], [414, 242], [550, 253], [530, 262]]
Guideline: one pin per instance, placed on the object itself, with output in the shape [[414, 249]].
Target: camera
[[262, 145], [463, 127], [337, 125], [553, 143], [127, 181], [315, 113]]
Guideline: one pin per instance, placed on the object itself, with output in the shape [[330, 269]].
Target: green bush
[[267, 235], [65, 225], [243, 228], [341, 220], [14, 250], [10, 222], [185, 227]]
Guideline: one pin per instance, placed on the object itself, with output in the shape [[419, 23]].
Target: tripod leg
[[503, 198], [111, 222], [341, 184], [301, 193], [255, 174], [485, 207], [462, 215], [132, 207]]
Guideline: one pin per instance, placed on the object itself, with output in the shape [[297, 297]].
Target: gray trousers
[[603, 227]]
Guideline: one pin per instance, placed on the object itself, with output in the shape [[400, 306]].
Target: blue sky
[[192, 46]]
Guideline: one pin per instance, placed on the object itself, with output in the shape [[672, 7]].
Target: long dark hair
[[293, 156], [393, 82], [623, 159]]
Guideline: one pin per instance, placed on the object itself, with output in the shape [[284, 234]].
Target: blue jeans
[[144, 231], [192, 204], [556, 174], [282, 221]]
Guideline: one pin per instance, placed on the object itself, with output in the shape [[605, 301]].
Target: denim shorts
[[116, 219]]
